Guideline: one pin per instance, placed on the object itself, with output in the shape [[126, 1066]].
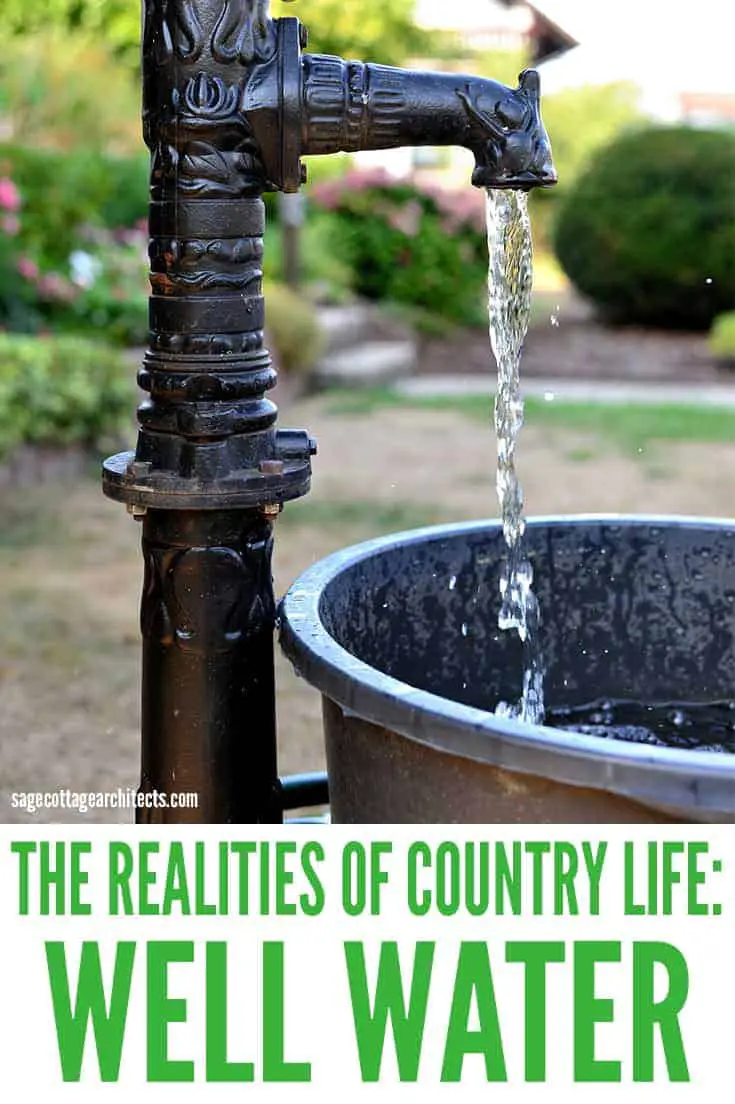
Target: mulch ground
[[580, 348]]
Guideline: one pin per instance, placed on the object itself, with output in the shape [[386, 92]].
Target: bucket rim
[[670, 778]]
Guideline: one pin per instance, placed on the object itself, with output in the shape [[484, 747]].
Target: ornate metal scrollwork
[[244, 33], [172, 29]]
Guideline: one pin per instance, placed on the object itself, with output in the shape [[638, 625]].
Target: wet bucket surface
[[400, 636]]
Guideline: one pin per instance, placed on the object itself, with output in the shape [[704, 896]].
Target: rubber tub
[[400, 637]]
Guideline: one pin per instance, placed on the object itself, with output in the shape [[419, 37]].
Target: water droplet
[[708, 280], [677, 717], [549, 396], [453, 582], [554, 320], [465, 630]]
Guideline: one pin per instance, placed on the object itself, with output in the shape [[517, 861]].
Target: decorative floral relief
[[226, 251], [207, 98], [172, 28], [244, 32], [169, 282], [239, 588], [203, 170]]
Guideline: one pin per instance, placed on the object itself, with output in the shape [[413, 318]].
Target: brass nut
[[272, 510], [137, 512], [139, 468], [271, 467]]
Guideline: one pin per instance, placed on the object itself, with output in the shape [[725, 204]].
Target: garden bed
[[579, 348]]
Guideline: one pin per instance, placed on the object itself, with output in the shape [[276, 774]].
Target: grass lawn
[[623, 426]]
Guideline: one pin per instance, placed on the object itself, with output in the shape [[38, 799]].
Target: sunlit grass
[[629, 427]]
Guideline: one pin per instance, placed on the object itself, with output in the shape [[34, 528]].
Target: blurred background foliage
[[383, 30], [73, 183]]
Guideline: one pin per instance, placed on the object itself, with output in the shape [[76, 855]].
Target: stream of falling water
[[510, 280]]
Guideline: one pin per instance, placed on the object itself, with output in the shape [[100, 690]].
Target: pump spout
[[318, 104]]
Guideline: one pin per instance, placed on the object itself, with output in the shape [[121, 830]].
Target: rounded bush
[[293, 331], [61, 391], [722, 337], [648, 232]]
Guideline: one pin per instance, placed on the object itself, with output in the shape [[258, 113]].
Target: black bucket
[[400, 636]]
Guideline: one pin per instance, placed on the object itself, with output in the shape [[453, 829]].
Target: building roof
[[475, 18], [665, 48]]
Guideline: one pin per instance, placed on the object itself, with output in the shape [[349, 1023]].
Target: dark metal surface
[[402, 633], [350, 106], [379, 776], [230, 104], [207, 436], [208, 683], [305, 791]]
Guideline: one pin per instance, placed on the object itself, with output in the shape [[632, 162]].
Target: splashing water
[[510, 280]]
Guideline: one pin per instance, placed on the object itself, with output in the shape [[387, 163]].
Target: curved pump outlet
[[301, 104]]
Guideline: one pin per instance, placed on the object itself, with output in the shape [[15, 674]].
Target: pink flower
[[9, 195], [10, 224], [53, 287], [407, 219], [28, 269]]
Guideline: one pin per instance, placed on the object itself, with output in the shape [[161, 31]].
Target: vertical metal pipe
[[210, 470], [207, 619]]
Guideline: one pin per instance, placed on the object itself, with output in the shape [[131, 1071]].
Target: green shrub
[[722, 336], [407, 244], [62, 391], [65, 192], [293, 331], [648, 233], [323, 269]]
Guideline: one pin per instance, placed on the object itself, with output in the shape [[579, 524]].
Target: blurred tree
[[382, 30], [499, 65], [116, 22], [66, 91], [581, 120]]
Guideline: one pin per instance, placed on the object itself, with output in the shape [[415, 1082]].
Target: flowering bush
[[414, 244], [106, 290], [101, 288], [88, 280], [65, 192], [16, 297]]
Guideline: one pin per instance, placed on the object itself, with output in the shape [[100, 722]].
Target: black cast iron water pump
[[230, 106]]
